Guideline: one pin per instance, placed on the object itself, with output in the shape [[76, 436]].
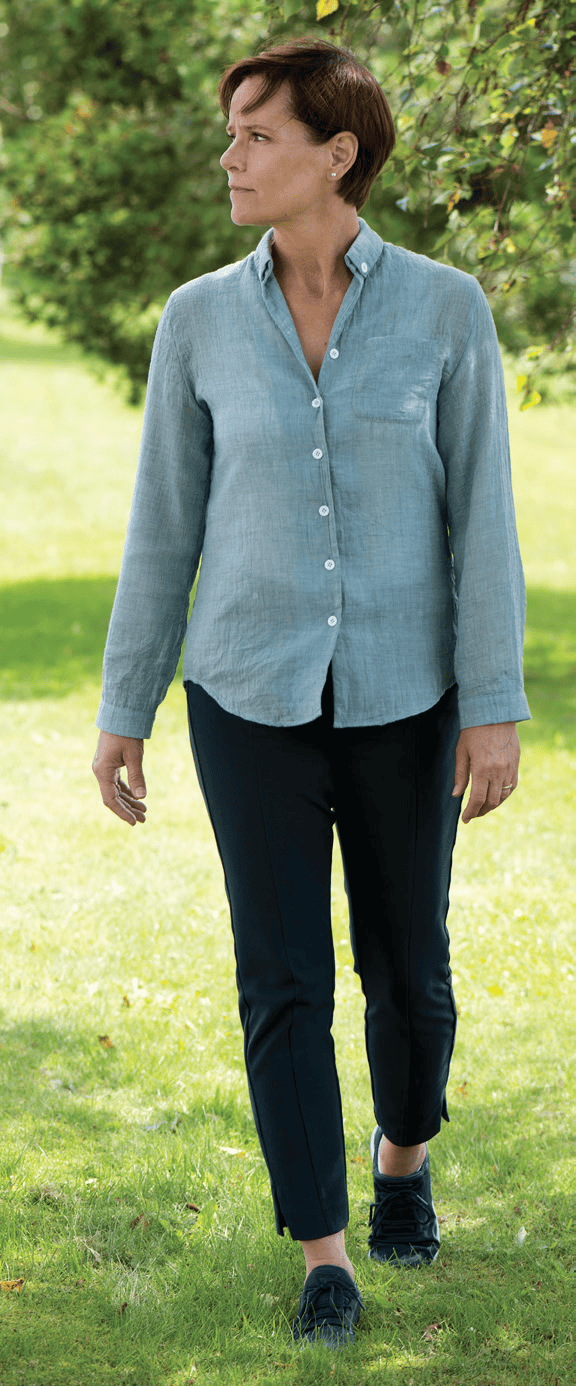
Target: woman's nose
[[229, 159]]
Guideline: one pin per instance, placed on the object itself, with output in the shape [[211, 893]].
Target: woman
[[326, 423]]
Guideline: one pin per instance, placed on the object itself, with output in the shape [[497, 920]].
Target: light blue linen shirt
[[366, 519]]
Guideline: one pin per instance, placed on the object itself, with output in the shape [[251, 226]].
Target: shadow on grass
[[53, 632], [52, 635], [50, 1071]]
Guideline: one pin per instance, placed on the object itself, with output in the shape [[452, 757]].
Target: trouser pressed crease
[[273, 795]]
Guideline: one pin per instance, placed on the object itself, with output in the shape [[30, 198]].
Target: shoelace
[[409, 1208], [327, 1304]]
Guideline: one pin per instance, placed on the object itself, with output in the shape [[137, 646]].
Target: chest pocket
[[397, 378]]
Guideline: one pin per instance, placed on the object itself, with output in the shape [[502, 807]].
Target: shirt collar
[[363, 254]]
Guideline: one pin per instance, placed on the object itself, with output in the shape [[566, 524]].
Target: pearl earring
[[333, 175]]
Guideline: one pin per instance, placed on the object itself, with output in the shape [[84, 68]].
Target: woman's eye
[[255, 134]]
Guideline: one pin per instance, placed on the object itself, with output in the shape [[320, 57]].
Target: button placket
[[324, 510]]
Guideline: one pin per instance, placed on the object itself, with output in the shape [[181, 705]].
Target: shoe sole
[[400, 1263]]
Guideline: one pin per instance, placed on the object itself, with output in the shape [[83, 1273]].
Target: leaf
[[193, 1206], [430, 1331], [140, 1221], [105, 1041], [548, 137], [463, 1088], [9, 1285], [232, 1150], [326, 7], [496, 990], [529, 404], [123, 1308], [520, 382], [126, 1001]]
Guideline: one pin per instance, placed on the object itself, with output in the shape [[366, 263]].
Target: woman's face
[[277, 174]]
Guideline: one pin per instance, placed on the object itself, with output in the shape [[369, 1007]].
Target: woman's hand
[[491, 755], [113, 752]]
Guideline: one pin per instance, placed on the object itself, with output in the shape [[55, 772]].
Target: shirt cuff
[[125, 721], [478, 709]]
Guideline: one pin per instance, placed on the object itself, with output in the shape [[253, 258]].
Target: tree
[[113, 134]]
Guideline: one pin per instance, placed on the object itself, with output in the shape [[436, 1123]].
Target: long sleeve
[[163, 546], [472, 440]]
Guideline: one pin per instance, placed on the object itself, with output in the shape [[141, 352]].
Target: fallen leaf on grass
[[140, 1221], [126, 1001], [192, 1206], [463, 1088], [123, 1308], [495, 990], [105, 1041], [443, 1217], [430, 1331], [232, 1150], [12, 1284]]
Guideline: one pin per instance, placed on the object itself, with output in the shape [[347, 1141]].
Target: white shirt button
[[329, 563], [323, 510], [334, 353], [316, 403], [332, 620], [317, 453], [364, 267]]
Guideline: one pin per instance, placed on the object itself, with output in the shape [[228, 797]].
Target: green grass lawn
[[134, 1201]]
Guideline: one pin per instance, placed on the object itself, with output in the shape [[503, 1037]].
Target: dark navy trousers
[[273, 795]]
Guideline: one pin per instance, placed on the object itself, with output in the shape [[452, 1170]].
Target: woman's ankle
[[327, 1251], [346, 1265], [398, 1161]]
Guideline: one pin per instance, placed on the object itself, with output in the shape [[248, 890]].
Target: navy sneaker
[[402, 1217], [329, 1306]]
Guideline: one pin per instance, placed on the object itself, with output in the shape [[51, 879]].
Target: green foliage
[[113, 133]]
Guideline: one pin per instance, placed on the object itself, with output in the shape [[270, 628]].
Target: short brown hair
[[330, 91]]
